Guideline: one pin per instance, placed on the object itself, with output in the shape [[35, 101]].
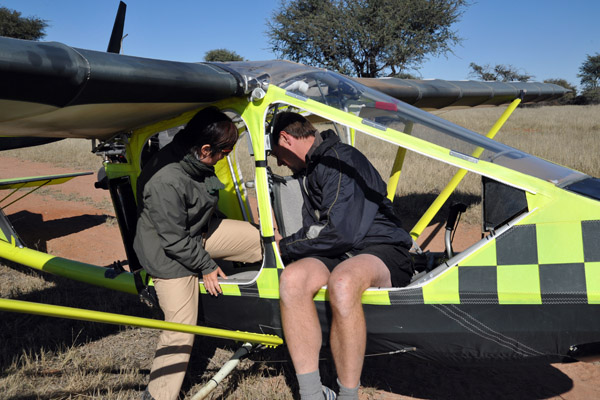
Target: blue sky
[[543, 38]]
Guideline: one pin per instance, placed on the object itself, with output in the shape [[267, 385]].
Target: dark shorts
[[395, 257]]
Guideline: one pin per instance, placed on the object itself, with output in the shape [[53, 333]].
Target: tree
[[567, 98], [482, 72], [404, 75], [563, 83], [364, 38], [222, 55], [15, 26], [589, 72], [501, 72]]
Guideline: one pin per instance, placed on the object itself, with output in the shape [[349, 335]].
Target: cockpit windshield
[[374, 107]]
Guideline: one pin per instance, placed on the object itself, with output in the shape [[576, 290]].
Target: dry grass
[[47, 358], [566, 135], [68, 153]]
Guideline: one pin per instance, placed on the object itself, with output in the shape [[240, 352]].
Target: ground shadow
[[35, 232], [32, 333], [203, 351], [267, 363], [403, 375], [61, 393], [410, 376]]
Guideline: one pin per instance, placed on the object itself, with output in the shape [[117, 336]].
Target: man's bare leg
[[299, 283], [348, 328]]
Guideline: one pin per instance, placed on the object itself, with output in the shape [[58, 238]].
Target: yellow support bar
[[397, 168], [78, 271], [443, 196], [119, 319]]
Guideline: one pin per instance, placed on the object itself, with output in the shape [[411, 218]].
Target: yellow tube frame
[[95, 275], [397, 167], [119, 319], [451, 186]]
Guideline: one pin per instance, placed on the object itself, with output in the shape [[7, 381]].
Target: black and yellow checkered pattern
[[544, 263]]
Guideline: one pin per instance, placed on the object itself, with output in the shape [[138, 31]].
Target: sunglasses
[[226, 151]]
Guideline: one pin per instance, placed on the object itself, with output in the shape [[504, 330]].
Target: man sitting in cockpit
[[350, 240]]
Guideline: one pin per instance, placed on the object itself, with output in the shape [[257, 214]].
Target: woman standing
[[179, 234]]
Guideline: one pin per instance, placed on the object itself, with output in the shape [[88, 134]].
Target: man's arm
[[345, 215]]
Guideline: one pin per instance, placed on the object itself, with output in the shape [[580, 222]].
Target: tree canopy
[[365, 38], [14, 26], [500, 72], [567, 98], [589, 72], [222, 55]]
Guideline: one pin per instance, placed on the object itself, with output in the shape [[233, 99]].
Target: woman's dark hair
[[209, 126]]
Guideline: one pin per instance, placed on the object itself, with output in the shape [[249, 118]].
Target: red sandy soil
[[72, 227], [75, 228]]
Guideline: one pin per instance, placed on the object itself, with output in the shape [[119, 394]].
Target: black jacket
[[345, 205]]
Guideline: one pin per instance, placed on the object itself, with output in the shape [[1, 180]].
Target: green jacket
[[177, 196]]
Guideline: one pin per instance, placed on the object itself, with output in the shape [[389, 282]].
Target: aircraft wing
[[436, 93], [425, 94], [51, 90], [35, 181], [56, 91], [7, 232]]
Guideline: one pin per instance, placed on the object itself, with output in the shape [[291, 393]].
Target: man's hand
[[211, 281], [277, 235]]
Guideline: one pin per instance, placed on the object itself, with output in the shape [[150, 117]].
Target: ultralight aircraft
[[528, 290]]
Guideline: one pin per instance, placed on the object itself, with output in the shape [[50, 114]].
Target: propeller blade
[[114, 45]]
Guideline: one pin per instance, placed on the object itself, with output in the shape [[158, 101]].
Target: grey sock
[[310, 386], [347, 393]]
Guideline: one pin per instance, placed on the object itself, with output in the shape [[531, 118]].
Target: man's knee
[[344, 291], [302, 278], [351, 278], [291, 282]]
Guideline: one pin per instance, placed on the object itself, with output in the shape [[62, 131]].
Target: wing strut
[[21, 185], [49, 310], [397, 168], [444, 194]]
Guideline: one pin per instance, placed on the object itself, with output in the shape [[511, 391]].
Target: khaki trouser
[[233, 240], [226, 239]]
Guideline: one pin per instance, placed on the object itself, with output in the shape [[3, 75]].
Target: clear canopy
[[345, 94]]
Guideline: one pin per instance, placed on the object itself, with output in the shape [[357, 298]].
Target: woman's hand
[[211, 281]]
